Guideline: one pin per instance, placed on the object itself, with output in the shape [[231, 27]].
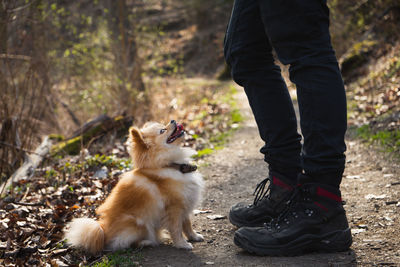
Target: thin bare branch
[[18, 57]]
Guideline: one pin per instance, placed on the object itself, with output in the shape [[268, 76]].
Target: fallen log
[[32, 161], [91, 130], [100, 120], [81, 137]]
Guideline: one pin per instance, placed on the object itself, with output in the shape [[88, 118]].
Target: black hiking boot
[[265, 206], [314, 220]]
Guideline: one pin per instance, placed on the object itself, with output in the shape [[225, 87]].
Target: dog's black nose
[[173, 122]]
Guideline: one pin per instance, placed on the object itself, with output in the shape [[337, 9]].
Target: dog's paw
[[196, 238], [184, 245], [148, 243]]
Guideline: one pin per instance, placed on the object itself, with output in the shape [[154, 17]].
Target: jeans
[[298, 31]]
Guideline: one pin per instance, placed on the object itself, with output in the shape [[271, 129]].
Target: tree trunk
[[128, 67], [3, 28]]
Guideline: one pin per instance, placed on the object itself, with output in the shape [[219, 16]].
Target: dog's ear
[[137, 138]]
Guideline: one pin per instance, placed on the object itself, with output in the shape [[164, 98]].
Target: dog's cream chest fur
[[192, 185]]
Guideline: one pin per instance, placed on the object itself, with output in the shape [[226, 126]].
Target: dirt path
[[231, 174]]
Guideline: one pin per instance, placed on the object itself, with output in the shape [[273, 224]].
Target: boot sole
[[335, 241]]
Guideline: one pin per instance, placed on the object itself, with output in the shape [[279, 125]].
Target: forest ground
[[32, 220], [370, 188]]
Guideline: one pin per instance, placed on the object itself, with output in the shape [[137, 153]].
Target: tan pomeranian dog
[[160, 193]]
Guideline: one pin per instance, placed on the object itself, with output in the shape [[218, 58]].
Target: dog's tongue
[[179, 127], [177, 133], [178, 130]]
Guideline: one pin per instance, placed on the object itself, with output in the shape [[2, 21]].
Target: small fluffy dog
[[160, 193]]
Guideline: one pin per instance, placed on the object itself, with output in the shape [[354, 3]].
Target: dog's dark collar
[[183, 168]]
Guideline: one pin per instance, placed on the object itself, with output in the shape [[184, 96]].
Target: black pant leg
[[299, 32], [249, 53]]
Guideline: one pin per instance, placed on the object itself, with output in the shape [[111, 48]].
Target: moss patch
[[120, 258], [389, 140]]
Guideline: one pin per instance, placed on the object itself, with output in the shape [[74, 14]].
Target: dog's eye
[[163, 131]]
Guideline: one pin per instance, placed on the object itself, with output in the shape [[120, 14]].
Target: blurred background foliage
[[64, 62], [350, 20]]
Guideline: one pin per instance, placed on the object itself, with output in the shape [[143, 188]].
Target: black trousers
[[298, 31]]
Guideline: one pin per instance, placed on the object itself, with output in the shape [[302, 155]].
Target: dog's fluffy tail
[[85, 233]]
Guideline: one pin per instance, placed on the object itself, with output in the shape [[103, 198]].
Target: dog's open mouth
[[178, 132]]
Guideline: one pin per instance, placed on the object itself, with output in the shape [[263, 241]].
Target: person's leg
[[299, 32], [315, 218], [249, 53]]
